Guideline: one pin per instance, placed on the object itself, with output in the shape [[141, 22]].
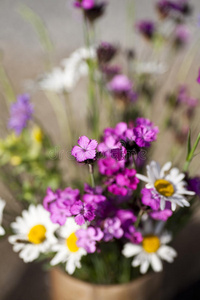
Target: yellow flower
[[15, 160], [37, 134]]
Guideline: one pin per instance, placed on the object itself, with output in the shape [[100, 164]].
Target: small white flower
[[169, 187], [152, 250], [67, 250], [2, 205], [34, 233], [66, 77]]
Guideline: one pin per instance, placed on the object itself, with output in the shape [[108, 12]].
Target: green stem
[[91, 171], [139, 218]]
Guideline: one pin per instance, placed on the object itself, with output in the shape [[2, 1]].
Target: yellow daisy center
[[37, 234], [71, 243], [151, 243], [164, 187]]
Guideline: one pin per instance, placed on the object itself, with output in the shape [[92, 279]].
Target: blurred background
[[23, 58]]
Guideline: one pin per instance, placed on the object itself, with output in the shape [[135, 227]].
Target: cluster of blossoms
[[73, 224]]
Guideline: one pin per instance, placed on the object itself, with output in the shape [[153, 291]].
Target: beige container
[[65, 287]]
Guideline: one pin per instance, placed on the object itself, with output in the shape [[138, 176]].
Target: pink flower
[[85, 4], [87, 238], [85, 150], [125, 181], [198, 79], [109, 166], [83, 212]]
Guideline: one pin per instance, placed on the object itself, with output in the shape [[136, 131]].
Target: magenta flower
[[59, 203], [85, 150], [83, 212], [146, 28], [49, 198], [149, 198], [144, 136], [133, 235], [124, 181], [120, 84], [85, 4], [112, 229], [87, 238], [198, 79], [93, 195], [109, 166], [20, 113]]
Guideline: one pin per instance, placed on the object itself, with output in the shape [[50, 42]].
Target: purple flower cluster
[[167, 7], [20, 113], [123, 182], [66, 203], [122, 136]]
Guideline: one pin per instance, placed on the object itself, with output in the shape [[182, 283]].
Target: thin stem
[[91, 171], [139, 218]]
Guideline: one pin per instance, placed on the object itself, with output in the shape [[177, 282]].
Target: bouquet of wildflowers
[[119, 220]]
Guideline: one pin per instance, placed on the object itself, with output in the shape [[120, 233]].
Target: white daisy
[[152, 250], [2, 205], [34, 233], [66, 77], [67, 250], [169, 187]]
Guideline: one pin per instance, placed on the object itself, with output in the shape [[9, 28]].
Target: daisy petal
[[131, 250], [156, 263]]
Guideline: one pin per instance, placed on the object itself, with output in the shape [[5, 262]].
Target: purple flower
[[150, 198], [109, 166], [127, 219], [112, 229], [198, 78], [83, 212], [58, 215], [85, 4], [87, 238], [20, 113], [146, 28], [124, 181], [93, 195], [133, 235], [162, 215], [110, 71], [49, 198], [105, 52], [85, 150], [194, 185], [182, 35], [59, 203], [143, 136], [120, 84]]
